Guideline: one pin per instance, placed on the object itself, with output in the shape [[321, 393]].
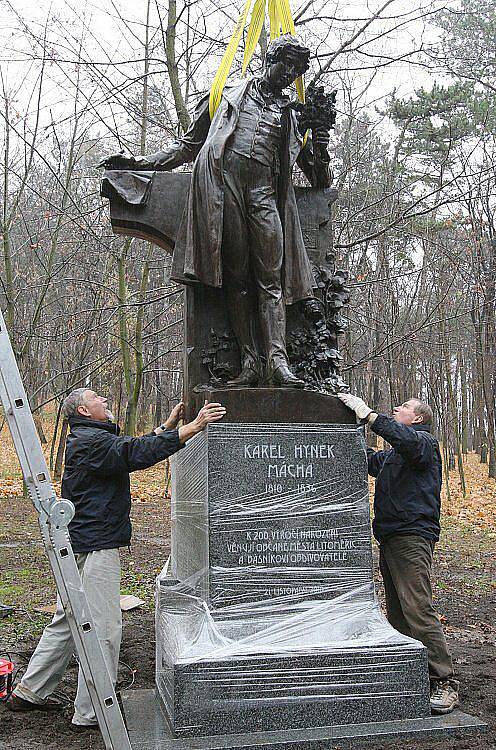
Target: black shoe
[[14, 703], [284, 378], [247, 377], [80, 728]]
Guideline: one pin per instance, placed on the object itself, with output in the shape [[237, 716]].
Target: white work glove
[[355, 403]]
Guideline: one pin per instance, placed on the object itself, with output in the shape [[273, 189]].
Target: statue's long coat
[[198, 253]]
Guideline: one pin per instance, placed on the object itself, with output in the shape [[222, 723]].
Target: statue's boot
[[247, 377], [284, 378]]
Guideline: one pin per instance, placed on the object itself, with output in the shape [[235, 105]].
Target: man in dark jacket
[[407, 507], [96, 479]]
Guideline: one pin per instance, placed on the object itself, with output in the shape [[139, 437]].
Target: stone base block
[[276, 405], [263, 511], [148, 730], [341, 687]]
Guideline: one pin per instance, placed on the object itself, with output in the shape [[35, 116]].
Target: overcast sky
[[119, 39]]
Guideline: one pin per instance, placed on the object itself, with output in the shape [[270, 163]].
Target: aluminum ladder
[[54, 516]]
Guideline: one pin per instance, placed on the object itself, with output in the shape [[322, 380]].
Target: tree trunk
[[489, 359], [132, 405], [172, 69], [452, 406], [61, 449], [38, 420], [462, 371]]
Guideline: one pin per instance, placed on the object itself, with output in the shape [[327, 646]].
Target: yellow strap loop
[[280, 22], [284, 12], [274, 20], [254, 31], [227, 61]]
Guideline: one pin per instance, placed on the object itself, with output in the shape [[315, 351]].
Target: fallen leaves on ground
[[478, 507]]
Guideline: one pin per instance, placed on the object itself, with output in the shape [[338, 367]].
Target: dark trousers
[[252, 256], [405, 563]]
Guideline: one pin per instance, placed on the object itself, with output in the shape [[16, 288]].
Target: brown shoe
[[14, 703], [444, 696]]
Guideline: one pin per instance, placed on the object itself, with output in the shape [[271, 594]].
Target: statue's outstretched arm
[[186, 148], [182, 151]]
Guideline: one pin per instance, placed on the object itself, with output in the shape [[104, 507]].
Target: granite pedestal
[[267, 619], [261, 512]]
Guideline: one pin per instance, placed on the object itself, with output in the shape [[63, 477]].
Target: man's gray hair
[[423, 410], [72, 401]]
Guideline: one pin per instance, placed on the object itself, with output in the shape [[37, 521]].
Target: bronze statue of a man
[[240, 228]]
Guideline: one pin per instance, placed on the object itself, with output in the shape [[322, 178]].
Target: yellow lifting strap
[[281, 22]]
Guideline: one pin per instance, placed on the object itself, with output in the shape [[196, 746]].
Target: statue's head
[[286, 59]]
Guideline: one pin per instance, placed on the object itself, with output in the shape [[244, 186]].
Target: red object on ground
[[6, 670]]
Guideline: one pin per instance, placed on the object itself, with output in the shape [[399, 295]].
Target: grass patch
[[139, 584], [9, 593], [20, 626]]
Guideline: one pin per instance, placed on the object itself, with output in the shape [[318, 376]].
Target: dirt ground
[[465, 595]]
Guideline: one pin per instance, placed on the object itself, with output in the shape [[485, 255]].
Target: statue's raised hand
[[117, 161], [320, 137]]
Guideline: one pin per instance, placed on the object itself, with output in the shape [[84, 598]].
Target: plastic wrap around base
[[261, 511], [189, 631], [268, 619], [283, 663]]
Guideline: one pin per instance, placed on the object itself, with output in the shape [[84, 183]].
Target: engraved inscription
[[288, 468], [291, 547], [292, 518]]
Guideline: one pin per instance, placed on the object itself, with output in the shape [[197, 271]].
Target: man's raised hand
[[207, 414], [175, 416], [357, 405], [210, 412]]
